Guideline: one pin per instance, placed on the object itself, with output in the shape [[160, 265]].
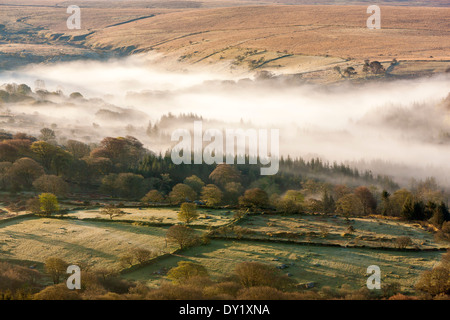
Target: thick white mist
[[394, 121]]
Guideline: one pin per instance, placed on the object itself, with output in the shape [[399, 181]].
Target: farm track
[[272, 60], [177, 38], [129, 21]]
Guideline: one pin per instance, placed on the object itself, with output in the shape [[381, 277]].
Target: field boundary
[[134, 222], [149, 262], [321, 244], [20, 217]]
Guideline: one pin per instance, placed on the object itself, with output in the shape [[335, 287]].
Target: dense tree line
[[114, 164], [122, 168]]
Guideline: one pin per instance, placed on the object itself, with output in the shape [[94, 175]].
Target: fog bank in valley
[[400, 128]]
